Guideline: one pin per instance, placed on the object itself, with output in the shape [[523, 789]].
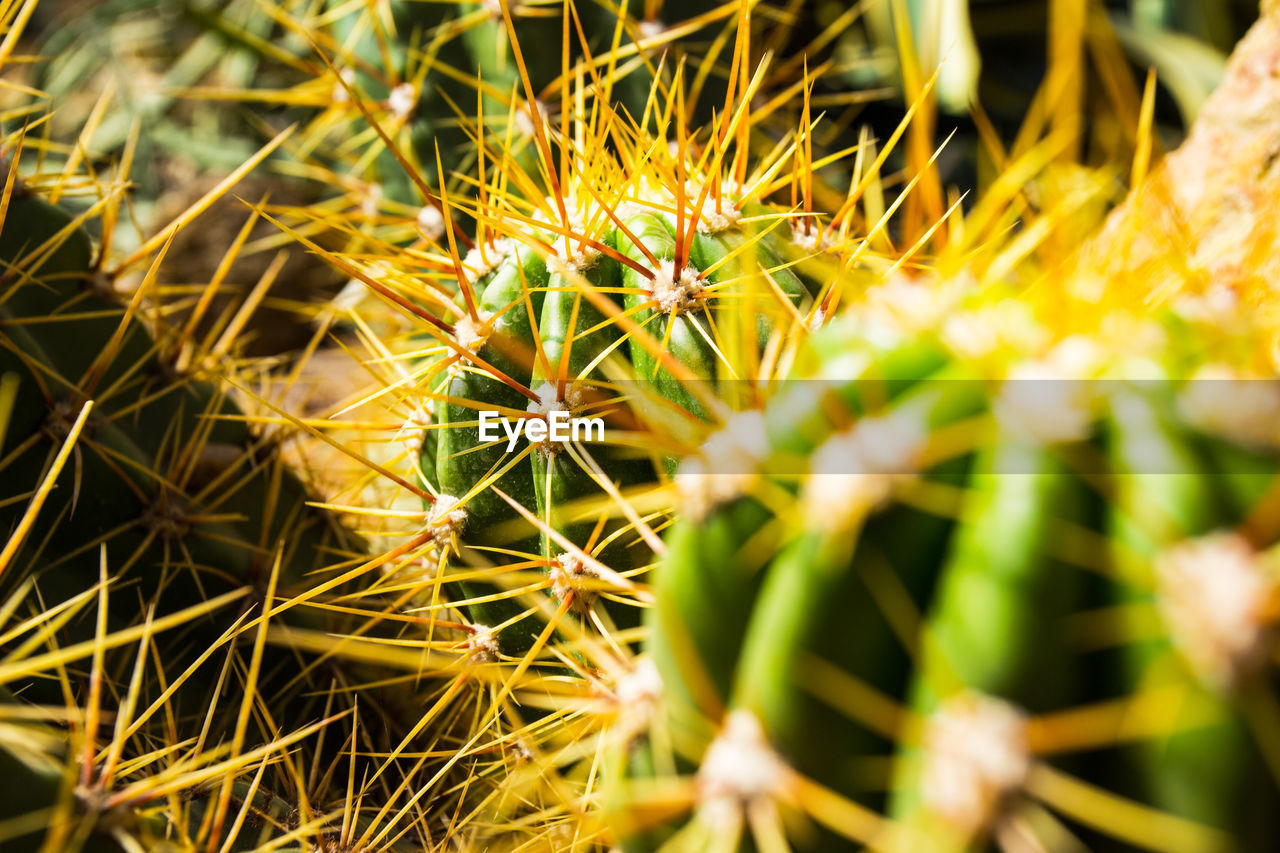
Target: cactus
[[1061, 479], [163, 475], [139, 492], [874, 543], [422, 68], [774, 575], [672, 286], [646, 290]]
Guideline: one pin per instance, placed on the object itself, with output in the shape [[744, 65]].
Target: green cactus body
[[1167, 495], [734, 627], [865, 628], [462, 461], [1001, 584], [36, 782], [995, 627], [567, 355], [419, 105], [712, 565], [166, 483], [690, 647], [431, 45], [747, 605]]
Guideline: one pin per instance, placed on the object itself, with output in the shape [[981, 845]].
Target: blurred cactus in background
[[934, 506]]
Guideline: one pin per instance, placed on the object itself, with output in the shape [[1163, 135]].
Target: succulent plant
[[137, 490], [685, 287], [648, 289], [163, 473], [1002, 504], [906, 528], [428, 71]]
